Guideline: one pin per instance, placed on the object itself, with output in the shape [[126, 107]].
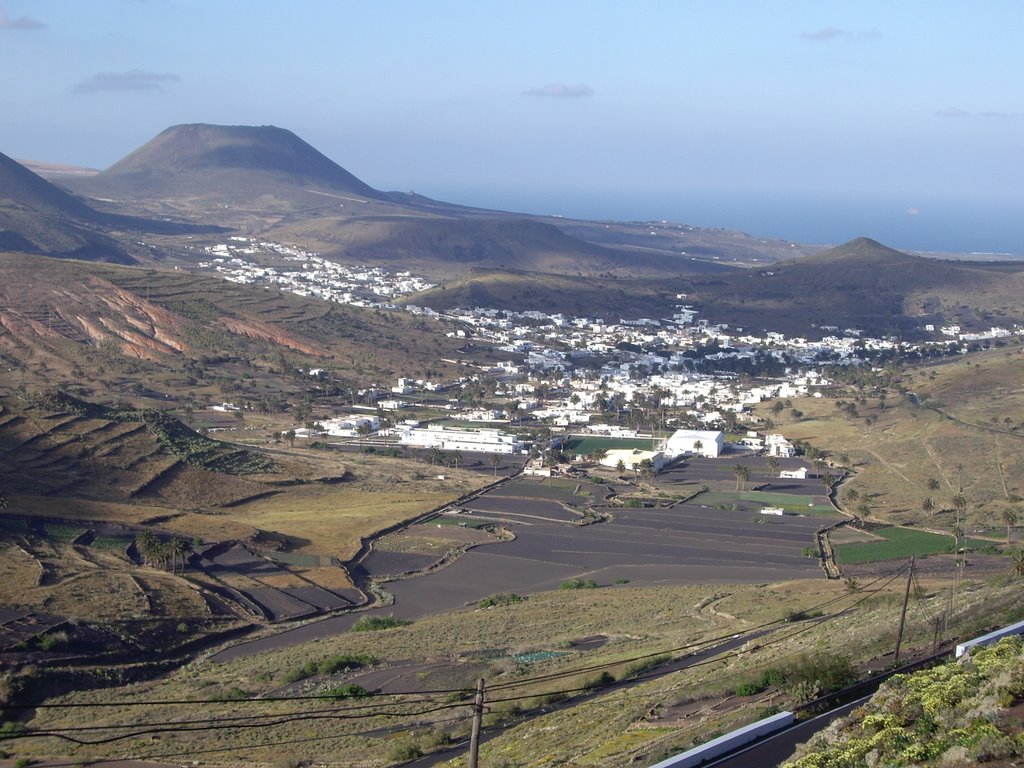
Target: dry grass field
[[638, 723], [958, 438]]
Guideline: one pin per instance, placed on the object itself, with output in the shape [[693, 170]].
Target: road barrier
[[729, 742], [991, 637]]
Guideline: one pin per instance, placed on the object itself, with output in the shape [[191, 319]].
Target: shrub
[[578, 584], [52, 640], [601, 681], [348, 691], [644, 665], [234, 694], [404, 751], [376, 623], [329, 666], [502, 598]]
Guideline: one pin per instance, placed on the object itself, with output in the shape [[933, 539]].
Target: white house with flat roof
[[631, 458], [451, 439], [777, 445], [695, 442]]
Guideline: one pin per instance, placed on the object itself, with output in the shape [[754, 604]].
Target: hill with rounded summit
[[252, 163]]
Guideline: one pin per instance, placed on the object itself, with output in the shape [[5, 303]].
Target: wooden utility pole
[[478, 716], [903, 613]]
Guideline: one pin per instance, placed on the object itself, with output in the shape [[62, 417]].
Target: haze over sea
[[965, 226]]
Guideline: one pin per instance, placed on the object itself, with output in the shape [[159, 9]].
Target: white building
[[794, 474], [349, 426], [631, 458], [450, 439], [777, 445], [695, 442]]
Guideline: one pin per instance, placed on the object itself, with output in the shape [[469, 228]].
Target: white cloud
[[825, 33], [561, 91], [957, 112], [835, 33], [22, 22], [133, 80]]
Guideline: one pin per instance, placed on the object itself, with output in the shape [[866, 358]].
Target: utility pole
[[903, 613], [478, 716]]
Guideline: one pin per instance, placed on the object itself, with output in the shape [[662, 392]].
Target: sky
[[805, 120]]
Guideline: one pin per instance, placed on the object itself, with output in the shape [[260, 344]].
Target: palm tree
[[1018, 562], [179, 548], [864, 509], [742, 475], [598, 454], [495, 462], [146, 543], [960, 503], [620, 466], [933, 484], [290, 435], [773, 462], [698, 448], [928, 506], [829, 481], [1010, 518]]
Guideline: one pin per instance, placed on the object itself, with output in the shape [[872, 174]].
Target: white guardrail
[[730, 741], [991, 637], [750, 733]]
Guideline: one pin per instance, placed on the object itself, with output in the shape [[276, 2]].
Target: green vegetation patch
[[332, 665], [578, 584], [897, 543], [791, 502], [377, 623], [948, 715], [62, 533], [116, 543], [584, 446], [535, 656]]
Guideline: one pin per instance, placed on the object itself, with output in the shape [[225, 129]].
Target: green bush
[[601, 681], [329, 666], [502, 598], [376, 623], [578, 584], [644, 665], [348, 691]]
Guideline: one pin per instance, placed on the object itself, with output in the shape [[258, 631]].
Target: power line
[[358, 712], [464, 691]]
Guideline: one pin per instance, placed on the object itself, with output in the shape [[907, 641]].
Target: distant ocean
[[910, 223]]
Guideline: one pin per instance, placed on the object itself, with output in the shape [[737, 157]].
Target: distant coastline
[[972, 227]]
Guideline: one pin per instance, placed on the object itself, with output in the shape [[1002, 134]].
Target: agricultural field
[[585, 445], [891, 543]]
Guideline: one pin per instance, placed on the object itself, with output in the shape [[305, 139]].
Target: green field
[[584, 445], [795, 503], [897, 543]]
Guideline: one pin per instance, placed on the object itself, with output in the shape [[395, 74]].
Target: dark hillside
[[609, 298], [861, 284], [228, 163]]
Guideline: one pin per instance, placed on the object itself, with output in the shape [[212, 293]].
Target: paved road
[[775, 750]]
